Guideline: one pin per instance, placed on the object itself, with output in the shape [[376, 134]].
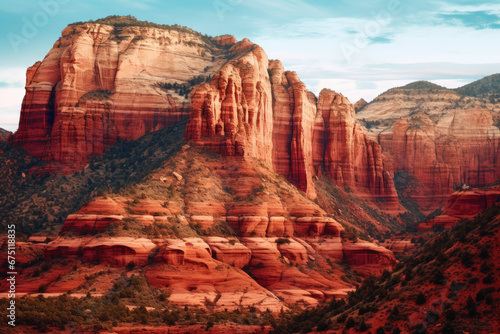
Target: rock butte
[[98, 85]]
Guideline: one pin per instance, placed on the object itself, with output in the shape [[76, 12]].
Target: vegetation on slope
[[484, 87], [118, 21], [36, 203], [358, 217], [96, 314], [449, 287], [423, 85], [4, 134]]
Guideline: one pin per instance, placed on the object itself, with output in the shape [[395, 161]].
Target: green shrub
[[281, 241], [421, 299]]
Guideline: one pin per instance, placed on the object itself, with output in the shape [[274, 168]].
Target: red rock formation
[[360, 105], [296, 134], [279, 231], [229, 251], [98, 85], [368, 259], [464, 204], [232, 114], [114, 251], [463, 148], [188, 269], [439, 138], [294, 112], [225, 40], [118, 251], [351, 159]]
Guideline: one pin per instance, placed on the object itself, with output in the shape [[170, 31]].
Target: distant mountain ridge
[[440, 137], [482, 87], [485, 87], [4, 134]]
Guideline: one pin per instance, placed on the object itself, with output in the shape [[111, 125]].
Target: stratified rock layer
[[254, 108], [99, 84], [464, 204], [443, 140], [204, 228]]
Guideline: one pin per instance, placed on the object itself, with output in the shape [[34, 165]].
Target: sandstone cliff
[[102, 83], [254, 108], [99, 84], [464, 204], [439, 137]]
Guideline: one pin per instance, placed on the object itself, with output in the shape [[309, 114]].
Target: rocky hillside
[[4, 134], [450, 287], [488, 87], [442, 138], [191, 226], [105, 81]]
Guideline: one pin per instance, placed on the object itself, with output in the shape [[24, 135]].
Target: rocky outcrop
[[360, 105], [118, 251], [464, 204], [462, 148], [351, 159], [197, 242], [438, 137], [254, 108], [195, 276], [229, 251], [232, 114], [100, 84], [4, 135]]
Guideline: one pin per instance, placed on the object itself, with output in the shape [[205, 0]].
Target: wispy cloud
[[280, 8], [475, 19], [381, 40]]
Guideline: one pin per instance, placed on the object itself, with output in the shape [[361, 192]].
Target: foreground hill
[[450, 287], [206, 217], [437, 138]]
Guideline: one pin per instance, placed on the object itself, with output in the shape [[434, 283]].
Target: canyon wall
[[100, 84], [441, 139]]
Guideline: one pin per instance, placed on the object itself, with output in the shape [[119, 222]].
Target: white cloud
[[490, 7], [14, 76], [10, 107], [443, 54]]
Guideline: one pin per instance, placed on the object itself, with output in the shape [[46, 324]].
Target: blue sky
[[359, 49]]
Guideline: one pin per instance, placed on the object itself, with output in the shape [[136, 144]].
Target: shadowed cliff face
[[439, 137], [100, 84]]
